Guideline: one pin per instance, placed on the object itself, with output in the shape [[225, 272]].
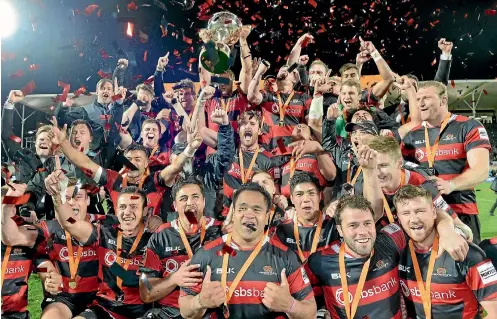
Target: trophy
[[223, 31]]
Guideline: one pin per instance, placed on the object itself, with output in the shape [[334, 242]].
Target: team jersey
[[380, 297], [246, 301], [125, 302], [166, 253], [15, 278], [153, 186], [416, 176], [307, 163], [232, 176], [456, 287], [347, 166], [87, 273], [489, 246], [460, 136], [295, 113], [236, 105]]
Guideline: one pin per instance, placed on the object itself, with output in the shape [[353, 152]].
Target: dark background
[[66, 43]]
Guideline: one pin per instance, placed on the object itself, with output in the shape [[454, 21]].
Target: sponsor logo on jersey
[[14, 270], [380, 265], [172, 265], [404, 268], [391, 229], [442, 272], [177, 248], [291, 241], [17, 252], [451, 294], [220, 270], [419, 142], [64, 253], [110, 257], [305, 278], [375, 290], [487, 273], [483, 133], [449, 137], [275, 108], [336, 276], [419, 155], [268, 271], [250, 292]]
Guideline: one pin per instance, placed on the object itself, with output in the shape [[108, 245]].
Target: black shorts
[[95, 312], [15, 315], [76, 303], [473, 223], [162, 313]]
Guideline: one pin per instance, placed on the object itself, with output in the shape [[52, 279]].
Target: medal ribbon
[[350, 310], [142, 180], [242, 270], [224, 104], [431, 151], [153, 151], [315, 239], [293, 165], [184, 239], [283, 106], [245, 175], [425, 290], [133, 248], [357, 173], [388, 211], [73, 261]]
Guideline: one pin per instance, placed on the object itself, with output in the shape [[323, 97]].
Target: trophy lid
[[223, 24]]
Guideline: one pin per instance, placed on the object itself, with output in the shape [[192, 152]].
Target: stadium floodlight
[[8, 19]]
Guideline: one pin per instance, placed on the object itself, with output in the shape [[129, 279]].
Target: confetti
[[11, 200], [145, 54], [117, 97], [28, 88], [71, 220], [129, 29], [452, 83], [434, 62], [132, 6], [313, 3], [490, 12], [33, 67], [102, 74], [485, 92], [16, 75], [104, 54], [16, 139], [90, 9]]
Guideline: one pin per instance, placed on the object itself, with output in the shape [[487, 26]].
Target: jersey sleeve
[[475, 136], [313, 270], [300, 284], [368, 98], [108, 178], [152, 264], [201, 258], [392, 238], [267, 96], [95, 235], [438, 201], [482, 276], [490, 248]]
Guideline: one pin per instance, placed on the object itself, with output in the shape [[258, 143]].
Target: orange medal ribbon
[[351, 310], [293, 165], [245, 175], [425, 290], [5, 262], [184, 239], [388, 211], [283, 106], [142, 180], [315, 239], [133, 248], [431, 151], [73, 261], [357, 173]]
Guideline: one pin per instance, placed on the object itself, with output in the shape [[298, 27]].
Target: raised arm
[[315, 119], [208, 136], [372, 188], [246, 59], [387, 78], [443, 70], [194, 139], [55, 184], [11, 146], [159, 72], [254, 95], [297, 48], [120, 72]]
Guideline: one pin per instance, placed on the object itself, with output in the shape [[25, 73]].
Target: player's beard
[[360, 249]]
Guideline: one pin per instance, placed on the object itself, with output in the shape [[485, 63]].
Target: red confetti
[[164, 31], [65, 90], [71, 220], [410, 22], [465, 16], [80, 91], [8, 56], [17, 74], [11, 200], [434, 62], [87, 172], [187, 40], [117, 97], [33, 67], [137, 77], [135, 197], [132, 6], [99, 13], [129, 29], [42, 269], [485, 92], [145, 54], [313, 3], [102, 74], [28, 88], [90, 9], [452, 83], [16, 139], [490, 12], [104, 54], [149, 81]]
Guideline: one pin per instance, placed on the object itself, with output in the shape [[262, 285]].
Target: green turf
[[485, 198]]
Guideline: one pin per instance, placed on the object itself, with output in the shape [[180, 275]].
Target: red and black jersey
[[456, 287], [368, 99], [87, 274], [380, 298], [232, 176], [416, 176], [15, 282], [159, 159], [460, 136], [236, 105], [126, 302], [489, 246], [307, 163], [166, 253], [153, 186], [295, 114], [246, 301]]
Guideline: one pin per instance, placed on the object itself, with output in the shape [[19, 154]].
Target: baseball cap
[[366, 126]]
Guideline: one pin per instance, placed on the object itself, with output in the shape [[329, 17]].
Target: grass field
[[485, 198]]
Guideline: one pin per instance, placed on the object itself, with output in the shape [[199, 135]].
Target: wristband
[[247, 56], [376, 55], [189, 152], [292, 306], [9, 105]]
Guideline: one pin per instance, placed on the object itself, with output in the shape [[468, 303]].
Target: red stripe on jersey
[[396, 233], [481, 275], [466, 208], [475, 136], [153, 261], [298, 280], [441, 293], [17, 302]]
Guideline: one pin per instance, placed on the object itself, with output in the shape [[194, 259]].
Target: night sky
[[72, 40]]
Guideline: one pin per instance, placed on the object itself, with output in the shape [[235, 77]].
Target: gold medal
[[281, 123], [72, 284]]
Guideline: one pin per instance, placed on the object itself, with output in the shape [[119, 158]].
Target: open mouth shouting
[[249, 225], [247, 135], [150, 136], [75, 211], [43, 146]]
